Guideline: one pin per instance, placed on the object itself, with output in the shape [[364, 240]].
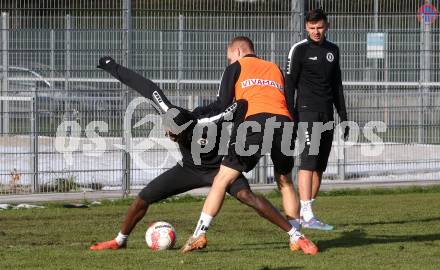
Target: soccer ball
[[160, 236]]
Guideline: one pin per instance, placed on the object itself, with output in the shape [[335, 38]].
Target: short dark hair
[[315, 15], [243, 39]]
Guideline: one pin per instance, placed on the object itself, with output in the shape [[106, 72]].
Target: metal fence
[[49, 50]]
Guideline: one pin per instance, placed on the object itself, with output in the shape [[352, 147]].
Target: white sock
[[296, 223], [294, 234], [121, 239], [306, 210], [313, 200], [203, 224]]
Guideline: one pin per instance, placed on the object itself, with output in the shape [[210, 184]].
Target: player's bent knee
[[140, 202], [220, 184], [246, 196], [284, 183], [284, 170], [223, 180]]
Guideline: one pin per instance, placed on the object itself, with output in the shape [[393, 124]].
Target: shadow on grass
[[279, 268], [391, 222], [359, 238], [248, 246]]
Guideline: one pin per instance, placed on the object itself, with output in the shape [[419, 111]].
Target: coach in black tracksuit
[[313, 69]]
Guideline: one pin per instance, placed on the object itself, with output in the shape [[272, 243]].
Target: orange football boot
[[112, 244], [305, 245], [194, 243]]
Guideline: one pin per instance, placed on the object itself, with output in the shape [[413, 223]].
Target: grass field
[[374, 230]]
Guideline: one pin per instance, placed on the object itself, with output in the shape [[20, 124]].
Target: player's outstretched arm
[[226, 92], [140, 84]]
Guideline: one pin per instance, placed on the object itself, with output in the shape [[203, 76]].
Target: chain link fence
[[50, 49]]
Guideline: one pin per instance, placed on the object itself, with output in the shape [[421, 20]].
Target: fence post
[[374, 72], [4, 106], [52, 55], [34, 140], [340, 154], [386, 79], [67, 45], [427, 77], [296, 18], [297, 13], [425, 64], [262, 170], [180, 57], [126, 159], [161, 59], [272, 47], [126, 47]]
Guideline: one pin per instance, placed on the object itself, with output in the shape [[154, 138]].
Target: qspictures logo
[[205, 138]]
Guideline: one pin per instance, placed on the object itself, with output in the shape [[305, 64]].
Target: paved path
[[99, 195]]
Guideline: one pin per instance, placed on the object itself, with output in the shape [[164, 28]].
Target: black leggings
[[180, 179]]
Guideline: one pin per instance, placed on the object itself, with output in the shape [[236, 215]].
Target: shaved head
[[239, 47], [243, 43]]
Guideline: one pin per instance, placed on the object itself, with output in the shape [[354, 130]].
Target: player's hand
[[346, 132], [184, 138], [172, 136], [106, 63]]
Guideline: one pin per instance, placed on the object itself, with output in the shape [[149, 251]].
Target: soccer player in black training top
[[313, 70], [189, 175]]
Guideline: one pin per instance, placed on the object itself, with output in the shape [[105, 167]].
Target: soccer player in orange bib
[[189, 174], [261, 84]]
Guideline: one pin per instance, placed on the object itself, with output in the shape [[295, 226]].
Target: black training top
[[226, 91], [314, 70], [218, 145], [209, 160], [204, 115]]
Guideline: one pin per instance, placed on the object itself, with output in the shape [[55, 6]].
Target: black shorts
[[180, 179], [283, 164], [316, 151]]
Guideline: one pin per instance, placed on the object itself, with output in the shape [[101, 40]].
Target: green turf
[[385, 231]]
